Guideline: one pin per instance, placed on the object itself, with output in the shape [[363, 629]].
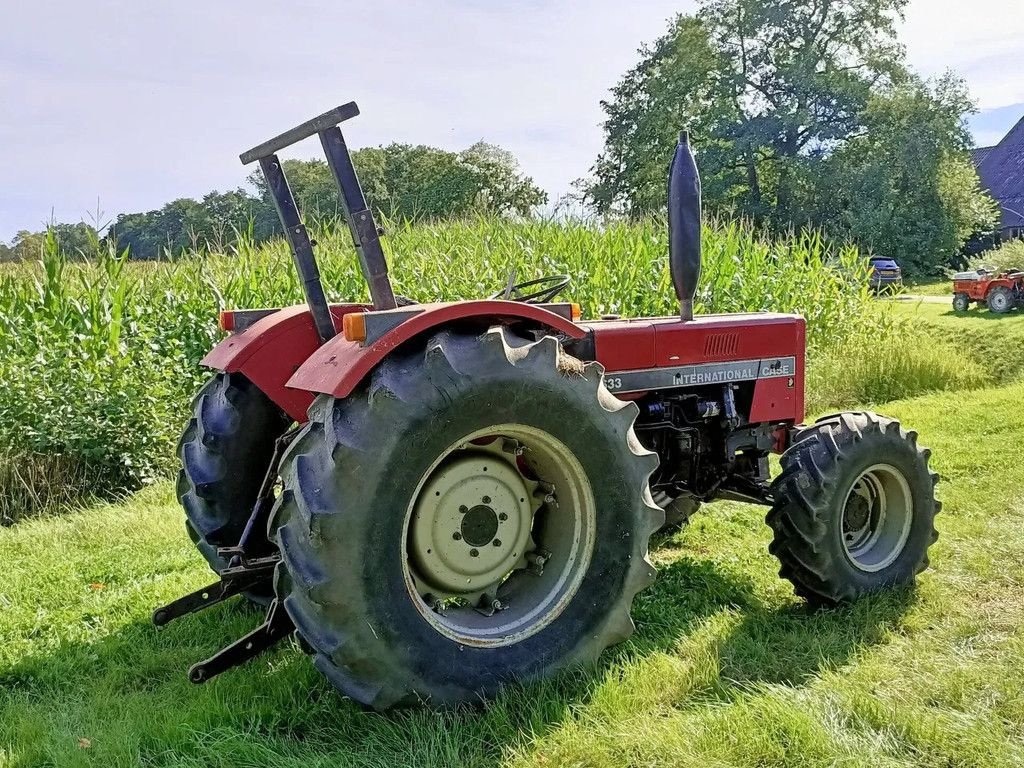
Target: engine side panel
[[763, 351]]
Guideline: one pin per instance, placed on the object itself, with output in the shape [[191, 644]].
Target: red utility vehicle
[[999, 291], [440, 498]]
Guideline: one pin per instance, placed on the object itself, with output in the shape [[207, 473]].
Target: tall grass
[[98, 360]]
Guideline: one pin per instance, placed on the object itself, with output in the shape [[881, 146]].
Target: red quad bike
[[1000, 292], [441, 498]]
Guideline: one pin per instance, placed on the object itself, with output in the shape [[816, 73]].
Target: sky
[[122, 106]]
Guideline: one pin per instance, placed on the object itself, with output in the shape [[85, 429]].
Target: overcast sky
[[137, 103]]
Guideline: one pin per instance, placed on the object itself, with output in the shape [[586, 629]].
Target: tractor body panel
[[271, 349], [762, 350], [337, 367]]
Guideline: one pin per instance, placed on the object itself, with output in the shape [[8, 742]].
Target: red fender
[[338, 366], [270, 350]]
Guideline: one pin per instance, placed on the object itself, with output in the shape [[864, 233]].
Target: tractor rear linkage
[[248, 569]]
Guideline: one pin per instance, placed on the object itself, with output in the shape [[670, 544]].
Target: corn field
[[100, 359]]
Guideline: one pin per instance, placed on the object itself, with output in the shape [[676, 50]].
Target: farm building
[[1001, 169]]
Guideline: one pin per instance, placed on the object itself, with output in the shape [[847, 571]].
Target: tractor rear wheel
[[854, 508], [225, 451], [961, 301], [1000, 299], [478, 513]]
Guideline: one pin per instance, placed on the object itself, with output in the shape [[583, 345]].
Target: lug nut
[[463, 509], [496, 542], [486, 499], [503, 517], [457, 536], [474, 552]]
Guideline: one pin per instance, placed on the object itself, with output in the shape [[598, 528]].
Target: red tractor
[[1000, 292], [441, 498]]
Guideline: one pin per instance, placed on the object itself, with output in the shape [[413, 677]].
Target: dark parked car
[[885, 274]]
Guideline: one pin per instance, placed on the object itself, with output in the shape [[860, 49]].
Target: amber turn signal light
[[227, 321], [575, 312], [353, 326]]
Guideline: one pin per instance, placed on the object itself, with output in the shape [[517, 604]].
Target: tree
[[407, 181], [76, 241], [905, 187], [782, 97], [186, 224]]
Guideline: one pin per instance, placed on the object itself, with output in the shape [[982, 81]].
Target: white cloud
[[983, 40]]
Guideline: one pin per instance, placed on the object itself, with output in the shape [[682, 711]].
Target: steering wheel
[[545, 289]]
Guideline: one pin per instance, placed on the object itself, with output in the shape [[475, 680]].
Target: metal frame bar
[[365, 235], [302, 247], [300, 132]]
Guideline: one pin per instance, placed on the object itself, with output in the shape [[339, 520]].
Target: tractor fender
[[338, 366], [271, 349]]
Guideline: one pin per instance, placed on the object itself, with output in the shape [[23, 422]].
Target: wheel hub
[[499, 535], [876, 517], [479, 525], [471, 523]]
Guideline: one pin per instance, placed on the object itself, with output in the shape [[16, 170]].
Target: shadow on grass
[[982, 313], [786, 644], [127, 694]]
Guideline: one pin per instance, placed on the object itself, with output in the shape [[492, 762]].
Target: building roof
[[980, 153], [1001, 169]]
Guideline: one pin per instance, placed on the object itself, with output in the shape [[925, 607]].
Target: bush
[[99, 360], [1009, 255]]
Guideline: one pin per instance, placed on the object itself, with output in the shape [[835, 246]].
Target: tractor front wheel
[[961, 301], [1000, 299], [854, 508], [478, 513]]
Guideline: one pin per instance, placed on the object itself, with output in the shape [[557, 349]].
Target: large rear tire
[[854, 508], [489, 460], [225, 452]]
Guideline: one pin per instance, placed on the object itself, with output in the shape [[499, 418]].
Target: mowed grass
[[726, 667]]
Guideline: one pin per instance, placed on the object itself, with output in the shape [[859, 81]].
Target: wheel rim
[[877, 515], [999, 301], [498, 535]]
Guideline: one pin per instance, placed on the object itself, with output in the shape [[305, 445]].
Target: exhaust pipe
[[684, 225]]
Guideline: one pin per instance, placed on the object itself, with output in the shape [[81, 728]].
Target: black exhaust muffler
[[684, 225]]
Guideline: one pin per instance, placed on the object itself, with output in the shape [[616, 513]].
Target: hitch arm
[[232, 581], [276, 626]]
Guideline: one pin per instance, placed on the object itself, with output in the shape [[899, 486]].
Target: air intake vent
[[721, 344]]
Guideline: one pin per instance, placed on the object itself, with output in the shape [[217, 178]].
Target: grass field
[[995, 341], [726, 667], [930, 287]]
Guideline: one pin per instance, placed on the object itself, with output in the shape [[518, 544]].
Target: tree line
[[803, 114], [400, 181]]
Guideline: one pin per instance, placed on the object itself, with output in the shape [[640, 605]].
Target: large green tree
[[399, 180], [76, 241], [905, 186], [416, 181], [774, 91]]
